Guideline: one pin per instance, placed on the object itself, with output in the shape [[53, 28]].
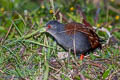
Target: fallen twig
[[113, 9], [105, 30]]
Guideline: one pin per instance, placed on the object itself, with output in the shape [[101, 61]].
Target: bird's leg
[[82, 56]]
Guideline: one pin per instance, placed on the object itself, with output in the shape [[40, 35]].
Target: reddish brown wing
[[73, 27], [86, 23]]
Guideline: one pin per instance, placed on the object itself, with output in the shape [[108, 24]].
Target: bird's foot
[[82, 56]]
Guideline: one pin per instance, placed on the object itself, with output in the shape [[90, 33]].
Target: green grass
[[27, 52]]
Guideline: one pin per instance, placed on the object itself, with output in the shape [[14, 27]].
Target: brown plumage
[[73, 27]]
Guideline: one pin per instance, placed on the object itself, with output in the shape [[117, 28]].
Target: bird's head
[[53, 27]]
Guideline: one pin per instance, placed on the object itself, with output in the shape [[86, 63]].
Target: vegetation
[[28, 53]]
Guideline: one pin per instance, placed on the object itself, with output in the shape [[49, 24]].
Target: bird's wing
[[73, 27]]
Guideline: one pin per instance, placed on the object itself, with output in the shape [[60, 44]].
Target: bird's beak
[[43, 29], [46, 29]]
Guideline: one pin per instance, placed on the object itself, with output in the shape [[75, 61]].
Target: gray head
[[53, 27]]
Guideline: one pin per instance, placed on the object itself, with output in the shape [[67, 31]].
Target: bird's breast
[[77, 41]]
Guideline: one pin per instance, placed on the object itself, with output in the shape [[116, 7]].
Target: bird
[[80, 38]]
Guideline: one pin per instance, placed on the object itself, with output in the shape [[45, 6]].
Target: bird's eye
[[49, 26]]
